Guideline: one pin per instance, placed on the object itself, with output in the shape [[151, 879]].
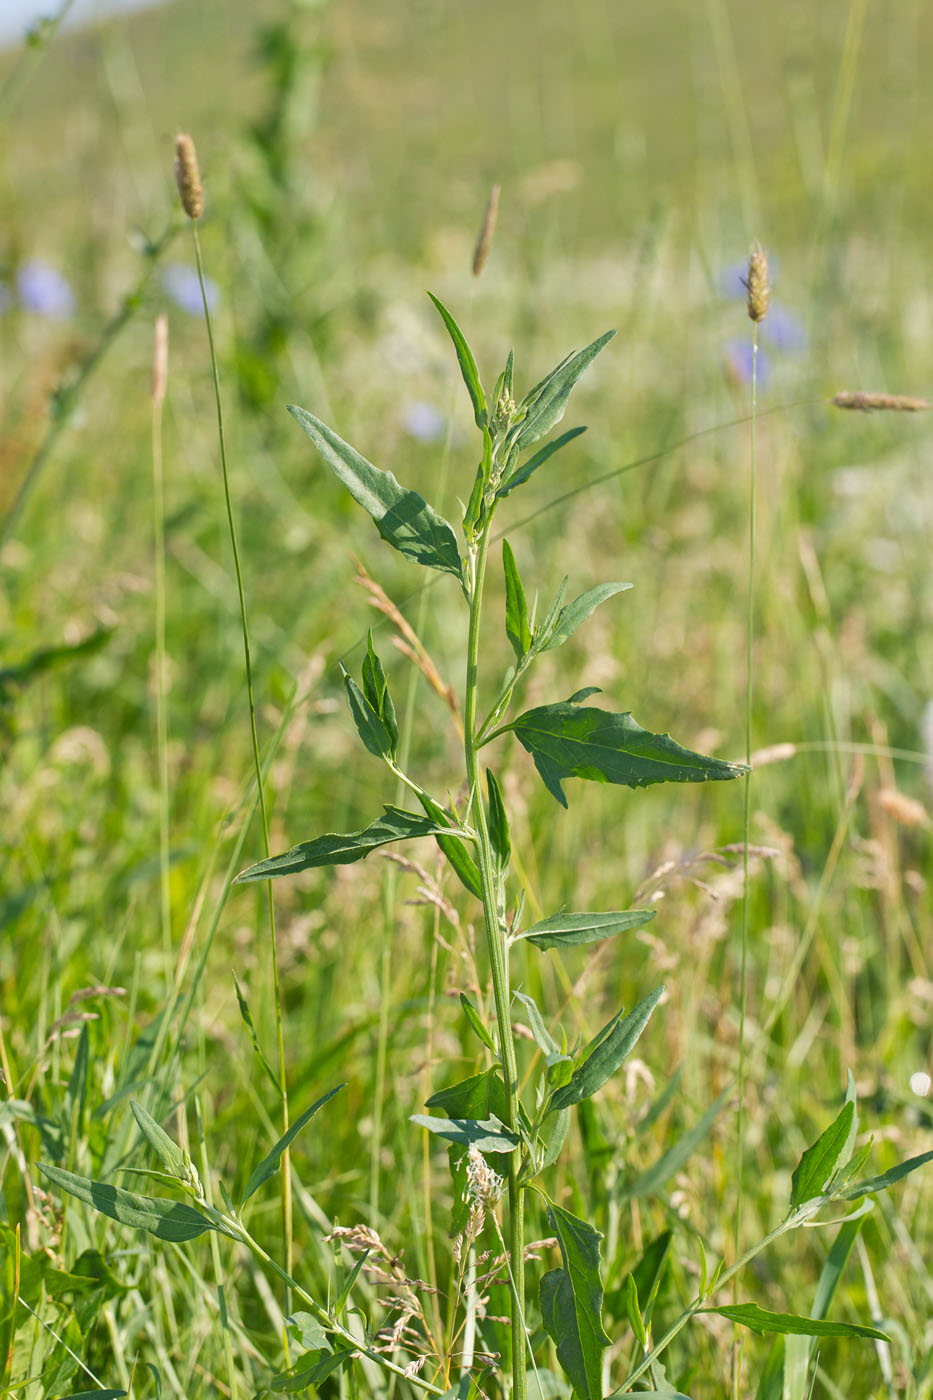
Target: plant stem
[[498, 962], [285, 1175]]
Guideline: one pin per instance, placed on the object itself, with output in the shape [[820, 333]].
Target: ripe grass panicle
[[487, 229], [866, 402], [188, 176]]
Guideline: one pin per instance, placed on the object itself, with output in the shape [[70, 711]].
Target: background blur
[[348, 151]]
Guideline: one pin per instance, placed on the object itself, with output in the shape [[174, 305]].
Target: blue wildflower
[[43, 290], [739, 360], [180, 284], [423, 421], [784, 330]]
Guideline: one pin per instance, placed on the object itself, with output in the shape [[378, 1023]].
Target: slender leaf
[[553, 1136], [459, 858], [169, 1153], [880, 1183], [270, 1164], [489, 1135], [571, 930], [167, 1220], [567, 741], [343, 849], [654, 1177], [473, 1016], [818, 1163], [547, 408], [467, 364], [836, 1261], [403, 518], [376, 690], [247, 1017], [516, 608], [94, 1395], [499, 833], [474, 506], [528, 468], [571, 1303], [369, 725], [761, 1321], [542, 1036], [570, 617], [603, 1062], [633, 1312], [649, 1271]]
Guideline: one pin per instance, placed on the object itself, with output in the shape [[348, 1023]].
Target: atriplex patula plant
[[501, 1141]]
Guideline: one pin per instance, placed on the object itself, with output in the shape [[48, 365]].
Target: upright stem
[[498, 962], [285, 1175]]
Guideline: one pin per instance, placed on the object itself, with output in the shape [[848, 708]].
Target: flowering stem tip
[[188, 176], [757, 284]]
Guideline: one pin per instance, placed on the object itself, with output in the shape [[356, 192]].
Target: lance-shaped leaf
[[602, 1062], [818, 1163], [467, 364], [566, 930], [550, 397], [369, 725], [571, 1303], [570, 617], [568, 741], [516, 608], [344, 848], [270, 1164], [499, 833], [871, 1184], [462, 863], [167, 1220], [403, 518], [158, 1139], [527, 469], [376, 690], [790, 1324], [488, 1135]]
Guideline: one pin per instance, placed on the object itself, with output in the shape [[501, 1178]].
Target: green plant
[[501, 1140]]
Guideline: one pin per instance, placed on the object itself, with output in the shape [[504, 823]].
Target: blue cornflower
[[180, 284], [43, 290], [422, 421]]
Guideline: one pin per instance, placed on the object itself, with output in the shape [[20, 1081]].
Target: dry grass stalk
[[188, 176], [865, 402], [160, 359], [484, 242], [408, 642], [757, 284]]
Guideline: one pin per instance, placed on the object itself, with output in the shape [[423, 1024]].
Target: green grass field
[[348, 151]]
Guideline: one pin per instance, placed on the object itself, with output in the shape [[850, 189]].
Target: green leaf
[[369, 725], [542, 1036], [489, 1135], [516, 608], [567, 741], [553, 1136], [818, 1163], [403, 518], [376, 690], [94, 1395], [550, 398], [270, 1165], [570, 930], [633, 1312], [343, 848], [167, 1220], [602, 1063], [570, 617], [474, 506], [76, 1093], [499, 833], [880, 1183], [759, 1320], [649, 1271], [571, 1303], [322, 1364], [467, 364], [247, 1017], [654, 1177], [168, 1152], [473, 1016], [481, 1095], [527, 469], [459, 858]]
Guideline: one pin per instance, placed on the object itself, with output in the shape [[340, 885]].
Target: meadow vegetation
[[162, 1026]]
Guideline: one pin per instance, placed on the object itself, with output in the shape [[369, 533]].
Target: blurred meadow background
[[348, 151]]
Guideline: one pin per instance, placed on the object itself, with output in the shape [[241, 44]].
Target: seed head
[[897, 403], [484, 242], [188, 176], [757, 284]]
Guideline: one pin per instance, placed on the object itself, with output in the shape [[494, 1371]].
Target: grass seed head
[[757, 283], [188, 176], [865, 402], [484, 242]]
